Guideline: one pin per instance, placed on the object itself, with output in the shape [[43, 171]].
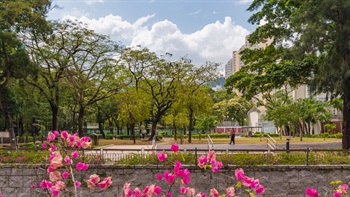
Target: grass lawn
[[239, 140]]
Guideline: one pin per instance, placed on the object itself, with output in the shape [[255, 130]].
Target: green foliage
[[27, 157]]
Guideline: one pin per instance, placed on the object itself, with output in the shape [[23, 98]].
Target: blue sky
[[202, 30]]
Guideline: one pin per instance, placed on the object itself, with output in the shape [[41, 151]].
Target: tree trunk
[[155, 121], [54, 121], [100, 125], [190, 128], [346, 117], [81, 121], [11, 129], [175, 130]]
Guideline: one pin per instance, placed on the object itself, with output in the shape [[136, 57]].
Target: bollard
[[195, 156], [307, 155], [287, 145]]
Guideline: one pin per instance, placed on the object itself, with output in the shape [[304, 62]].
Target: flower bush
[[340, 190], [181, 176], [64, 164]]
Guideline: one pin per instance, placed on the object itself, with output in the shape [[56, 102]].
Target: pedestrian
[[232, 136]]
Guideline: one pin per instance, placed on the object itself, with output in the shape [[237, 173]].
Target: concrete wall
[[279, 181]]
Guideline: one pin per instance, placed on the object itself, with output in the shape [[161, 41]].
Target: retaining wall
[[279, 181]]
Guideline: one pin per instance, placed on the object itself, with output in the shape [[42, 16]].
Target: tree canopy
[[311, 45]]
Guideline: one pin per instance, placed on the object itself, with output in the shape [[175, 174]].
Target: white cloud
[[214, 42], [90, 2], [244, 1]]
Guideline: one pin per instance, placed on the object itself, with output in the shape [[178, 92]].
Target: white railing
[[210, 143], [271, 143]]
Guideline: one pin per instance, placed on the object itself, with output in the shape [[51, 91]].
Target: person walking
[[232, 136]]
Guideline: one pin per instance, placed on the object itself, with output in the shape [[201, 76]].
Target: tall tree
[[16, 16], [93, 72], [318, 33]]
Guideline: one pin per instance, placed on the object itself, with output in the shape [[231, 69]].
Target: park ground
[[239, 140]]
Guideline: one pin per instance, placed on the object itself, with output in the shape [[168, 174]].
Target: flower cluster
[[60, 169], [182, 176], [340, 191], [248, 182], [209, 161]]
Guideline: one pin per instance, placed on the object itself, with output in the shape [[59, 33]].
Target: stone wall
[[279, 181]]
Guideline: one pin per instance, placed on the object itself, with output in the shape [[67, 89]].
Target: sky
[[200, 30]]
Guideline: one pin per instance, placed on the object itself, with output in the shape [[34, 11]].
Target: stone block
[[4, 181]]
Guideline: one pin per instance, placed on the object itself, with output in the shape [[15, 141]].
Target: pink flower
[[106, 182], [84, 143], [82, 166], [45, 184], [56, 133], [216, 166], [311, 192], [214, 193], [44, 145], [50, 136], [260, 189], [77, 184], [337, 194], [68, 160], [186, 180], [254, 183], [182, 189], [60, 185], [211, 155], [157, 190], [168, 194], [74, 154], [64, 134], [201, 194], [202, 160], [169, 177], [56, 160], [65, 174], [90, 184], [174, 147], [55, 176], [342, 189], [239, 173], [190, 191], [127, 190], [230, 191], [159, 177], [137, 192], [54, 191], [247, 181], [177, 165], [50, 168], [32, 186], [94, 179], [150, 190], [162, 156], [52, 148]]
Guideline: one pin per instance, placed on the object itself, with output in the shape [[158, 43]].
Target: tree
[[132, 106], [313, 33], [192, 93], [16, 16], [93, 72]]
